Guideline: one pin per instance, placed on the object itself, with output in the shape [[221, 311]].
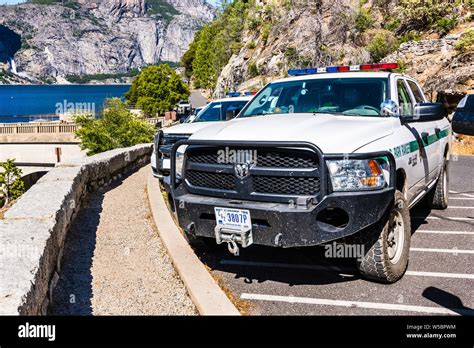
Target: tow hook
[[232, 246], [233, 238]]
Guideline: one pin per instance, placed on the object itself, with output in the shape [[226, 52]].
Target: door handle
[[437, 131], [425, 135]]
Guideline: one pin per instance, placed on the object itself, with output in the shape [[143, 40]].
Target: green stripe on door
[[413, 146]]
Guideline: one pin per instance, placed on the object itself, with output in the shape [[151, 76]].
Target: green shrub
[[466, 41], [292, 57], [252, 44], [253, 70], [117, 128], [267, 28], [444, 25], [364, 20], [402, 66], [11, 183], [381, 43], [422, 16]]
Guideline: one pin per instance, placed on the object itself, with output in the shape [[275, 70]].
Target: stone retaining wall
[[33, 231]]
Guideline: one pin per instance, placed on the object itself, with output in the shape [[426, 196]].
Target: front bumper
[[282, 225], [327, 217]]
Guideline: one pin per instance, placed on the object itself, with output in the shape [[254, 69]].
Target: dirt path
[[115, 262]]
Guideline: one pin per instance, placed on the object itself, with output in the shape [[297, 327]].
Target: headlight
[[355, 175], [180, 160]]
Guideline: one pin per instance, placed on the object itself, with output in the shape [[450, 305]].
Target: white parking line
[[338, 269], [462, 198], [449, 251], [459, 207], [462, 194], [444, 232], [443, 218], [358, 304], [440, 275]]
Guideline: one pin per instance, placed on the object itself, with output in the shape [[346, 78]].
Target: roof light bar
[[343, 68], [238, 94]]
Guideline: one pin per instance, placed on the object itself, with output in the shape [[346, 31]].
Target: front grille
[[204, 157], [265, 159], [286, 185], [286, 160], [211, 180], [279, 174]]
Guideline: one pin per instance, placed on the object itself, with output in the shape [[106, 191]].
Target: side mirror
[[230, 114], [463, 122], [424, 112], [390, 108]]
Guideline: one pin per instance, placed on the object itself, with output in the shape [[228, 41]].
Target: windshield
[[216, 111], [348, 96]]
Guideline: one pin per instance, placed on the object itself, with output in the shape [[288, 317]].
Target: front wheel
[[387, 246]]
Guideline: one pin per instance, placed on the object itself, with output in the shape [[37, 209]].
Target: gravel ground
[[115, 262]]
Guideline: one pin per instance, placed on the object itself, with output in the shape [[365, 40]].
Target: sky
[[10, 2]]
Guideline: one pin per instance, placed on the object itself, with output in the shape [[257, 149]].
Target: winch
[[234, 237]]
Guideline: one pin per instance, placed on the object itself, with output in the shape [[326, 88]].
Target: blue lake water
[[19, 103]]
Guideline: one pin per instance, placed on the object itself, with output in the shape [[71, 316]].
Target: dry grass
[[244, 307], [463, 145]]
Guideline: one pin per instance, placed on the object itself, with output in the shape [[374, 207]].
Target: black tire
[[438, 197], [387, 244]]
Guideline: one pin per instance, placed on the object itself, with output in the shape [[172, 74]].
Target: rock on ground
[[115, 262]]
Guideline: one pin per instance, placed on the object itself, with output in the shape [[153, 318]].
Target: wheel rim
[[396, 237]]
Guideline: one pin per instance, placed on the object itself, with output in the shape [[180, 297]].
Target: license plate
[[233, 219]]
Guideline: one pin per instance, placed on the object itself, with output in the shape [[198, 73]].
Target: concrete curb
[[203, 289]]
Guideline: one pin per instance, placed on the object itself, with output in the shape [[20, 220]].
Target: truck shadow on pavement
[[447, 300], [302, 266]]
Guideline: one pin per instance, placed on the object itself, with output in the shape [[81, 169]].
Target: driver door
[[421, 161]]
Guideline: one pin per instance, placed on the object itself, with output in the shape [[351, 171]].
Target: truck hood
[[187, 128], [331, 133]]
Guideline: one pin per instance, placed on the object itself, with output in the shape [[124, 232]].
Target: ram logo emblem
[[242, 170]]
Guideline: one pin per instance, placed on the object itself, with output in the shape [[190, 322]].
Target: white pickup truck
[[216, 111], [337, 153]]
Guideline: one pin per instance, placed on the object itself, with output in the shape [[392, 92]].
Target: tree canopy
[[117, 128], [157, 89]]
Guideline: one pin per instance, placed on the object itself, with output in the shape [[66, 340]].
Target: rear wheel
[[387, 245], [438, 197]]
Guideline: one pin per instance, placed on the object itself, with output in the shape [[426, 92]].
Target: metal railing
[[37, 128], [49, 127]]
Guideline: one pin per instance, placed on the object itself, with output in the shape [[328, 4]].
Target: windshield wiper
[[336, 113]]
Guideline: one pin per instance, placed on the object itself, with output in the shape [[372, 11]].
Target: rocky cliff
[[49, 43], [281, 34]]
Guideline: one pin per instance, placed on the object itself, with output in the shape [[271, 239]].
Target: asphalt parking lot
[[439, 280]]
